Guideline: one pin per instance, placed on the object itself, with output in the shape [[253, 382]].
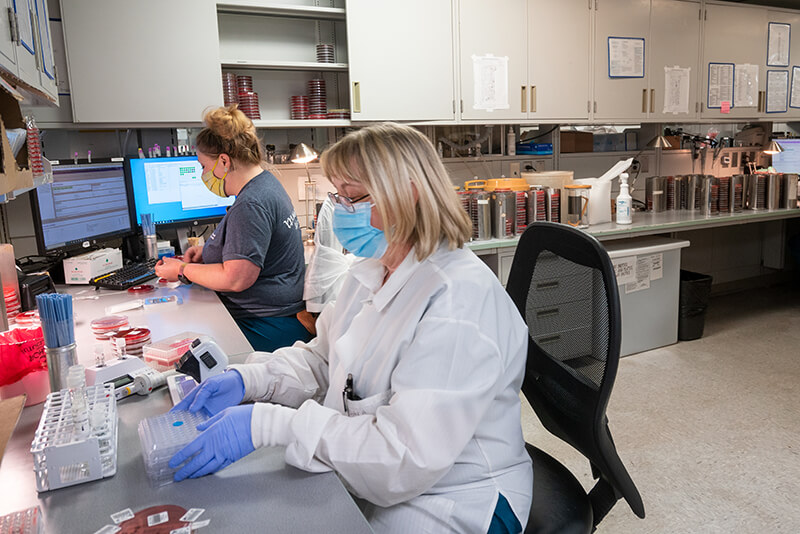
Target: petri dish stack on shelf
[[339, 114], [299, 107], [164, 354], [317, 99], [161, 437], [325, 53], [248, 99], [12, 302], [230, 91]]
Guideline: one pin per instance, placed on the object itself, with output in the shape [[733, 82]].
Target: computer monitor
[[787, 161], [172, 190], [85, 205]]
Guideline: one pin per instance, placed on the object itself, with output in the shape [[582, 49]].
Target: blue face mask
[[356, 234]]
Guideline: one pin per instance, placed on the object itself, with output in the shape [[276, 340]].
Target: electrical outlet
[[527, 166], [513, 169], [726, 161], [635, 166]]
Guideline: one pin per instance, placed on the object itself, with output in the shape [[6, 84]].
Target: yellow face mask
[[214, 184]]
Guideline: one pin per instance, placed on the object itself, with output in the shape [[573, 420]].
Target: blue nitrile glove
[[223, 439], [214, 394]]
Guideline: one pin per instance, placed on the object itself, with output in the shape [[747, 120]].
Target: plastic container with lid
[[161, 437], [512, 184], [164, 354]]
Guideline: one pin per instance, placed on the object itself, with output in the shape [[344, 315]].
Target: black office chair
[[563, 284]]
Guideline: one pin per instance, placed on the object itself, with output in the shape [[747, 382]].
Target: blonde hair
[[387, 159], [229, 131]]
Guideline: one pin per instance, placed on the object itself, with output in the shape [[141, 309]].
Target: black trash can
[[694, 294]]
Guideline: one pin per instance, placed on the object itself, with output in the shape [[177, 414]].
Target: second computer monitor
[[172, 190]]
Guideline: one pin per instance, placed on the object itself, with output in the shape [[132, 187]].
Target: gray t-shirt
[[261, 226]]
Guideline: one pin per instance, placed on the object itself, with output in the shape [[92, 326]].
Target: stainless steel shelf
[[255, 7], [245, 64]]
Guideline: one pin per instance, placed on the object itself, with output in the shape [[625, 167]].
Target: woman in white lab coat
[[410, 391]]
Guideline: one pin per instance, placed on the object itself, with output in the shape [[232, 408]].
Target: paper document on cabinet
[[746, 86], [676, 89], [795, 101], [778, 46], [625, 269], [490, 78], [643, 269], [777, 90], [625, 57], [720, 84]]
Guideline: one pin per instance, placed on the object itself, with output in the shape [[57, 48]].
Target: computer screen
[[85, 203], [787, 161], [173, 191]]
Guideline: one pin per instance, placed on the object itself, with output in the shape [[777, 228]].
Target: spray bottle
[[624, 201]]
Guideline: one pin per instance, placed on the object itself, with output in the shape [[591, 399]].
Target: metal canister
[[671, 198], [553, 204], [480, 211], [680, 192], [537, 202], [755, 198], [709, 196], [694, 185], [724, 193], [520, 212], [736, 193], [655, 194], [503, 204], [772, 194], [789, 191]]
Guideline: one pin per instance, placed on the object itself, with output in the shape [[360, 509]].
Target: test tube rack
[[60, 458]]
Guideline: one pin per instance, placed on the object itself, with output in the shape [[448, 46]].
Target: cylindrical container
[[59, 360], [553, 204], [655, 194], [724, 193], [521, 212], [789, 191], [8, 274], [708, 198], [325, 53], [736, 193], [503, 214], [577, 205], [480, 212], [694, 185], [537, 204], [670, 183], [772, 195], [680, 192], [756, 192], [151, 247]]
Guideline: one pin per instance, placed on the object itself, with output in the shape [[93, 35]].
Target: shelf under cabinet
[[288, 123], [255, 7], [282, 65]]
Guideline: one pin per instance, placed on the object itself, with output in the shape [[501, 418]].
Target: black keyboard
[[130, 275]]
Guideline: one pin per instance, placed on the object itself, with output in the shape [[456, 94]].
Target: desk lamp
[[656, 143], [773, 148], [302, 153]]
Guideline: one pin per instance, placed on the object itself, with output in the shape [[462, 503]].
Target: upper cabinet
[[26, 48], [640, 68], [401, 60], [142, 62], [793, 70]]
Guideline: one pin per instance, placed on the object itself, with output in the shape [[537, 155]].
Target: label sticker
[[122, 515], [157, 519]]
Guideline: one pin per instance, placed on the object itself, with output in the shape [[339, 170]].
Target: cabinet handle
[[13, 26], [356, 97], [644, 100], [524, 100], [652, 100], [533, 99], [758, 109]]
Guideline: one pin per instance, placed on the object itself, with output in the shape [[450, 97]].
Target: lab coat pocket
[[369, 405]]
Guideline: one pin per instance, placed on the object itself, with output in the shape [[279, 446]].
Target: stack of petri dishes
[[317, 98], [29, 319], [248, 99], [34, 142], [135, 340], [12, 302], [325, 53], [104, 327], [339, 114], [299, 107], [230, 91]]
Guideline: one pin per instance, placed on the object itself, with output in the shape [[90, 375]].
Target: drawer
[[561, 289], [566, 345], [549, 266], [559, 317]]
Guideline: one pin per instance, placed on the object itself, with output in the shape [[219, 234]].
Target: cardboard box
[[81, 269], [16, 173], [576, 142], [675, 141]]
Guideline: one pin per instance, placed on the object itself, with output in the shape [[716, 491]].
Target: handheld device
[[138, 381], [203, 360]]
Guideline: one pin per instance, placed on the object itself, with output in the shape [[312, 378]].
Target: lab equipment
[[60, 457], [789, 191], [624, 201], [164, 354], [215, 394], [179, 387], [223, 439], [55, 311], [164, 435], [110, 371], [31, 285], [85, 205], [81, 269], [76, 384], [130, 275], [149, 231], [203, 360], [23, 522], [179, 198], [140, 381], [577, 205], [503, 204], [108, 324]]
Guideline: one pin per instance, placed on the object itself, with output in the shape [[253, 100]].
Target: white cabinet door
[[793, 19], [27, 44], [620, 98], [401, 60], [148, 61], [558, 59], [484, 29], [734, 34], [669, 18], [8, 47]]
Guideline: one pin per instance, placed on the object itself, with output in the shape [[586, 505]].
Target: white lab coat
[[328, 263], [438, 355]]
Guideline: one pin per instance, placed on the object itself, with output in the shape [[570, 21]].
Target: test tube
[[76, 383]]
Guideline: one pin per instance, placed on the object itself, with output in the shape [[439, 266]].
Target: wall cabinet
[[142, 62], [793, 19], [401, 60], [26, 50]]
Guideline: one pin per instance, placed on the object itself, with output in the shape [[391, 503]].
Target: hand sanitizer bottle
[[624, 201]]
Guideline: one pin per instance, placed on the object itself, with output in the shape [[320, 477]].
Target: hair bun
[[228, 122]]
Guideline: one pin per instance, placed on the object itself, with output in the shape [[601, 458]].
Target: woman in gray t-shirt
[[254, 259]]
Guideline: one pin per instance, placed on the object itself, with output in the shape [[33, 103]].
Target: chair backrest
[[563, 283]]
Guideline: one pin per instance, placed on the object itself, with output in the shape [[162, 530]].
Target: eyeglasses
[[346, 202]]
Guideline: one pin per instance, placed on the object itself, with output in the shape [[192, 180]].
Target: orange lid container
[[474, 184], [514, 184]]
